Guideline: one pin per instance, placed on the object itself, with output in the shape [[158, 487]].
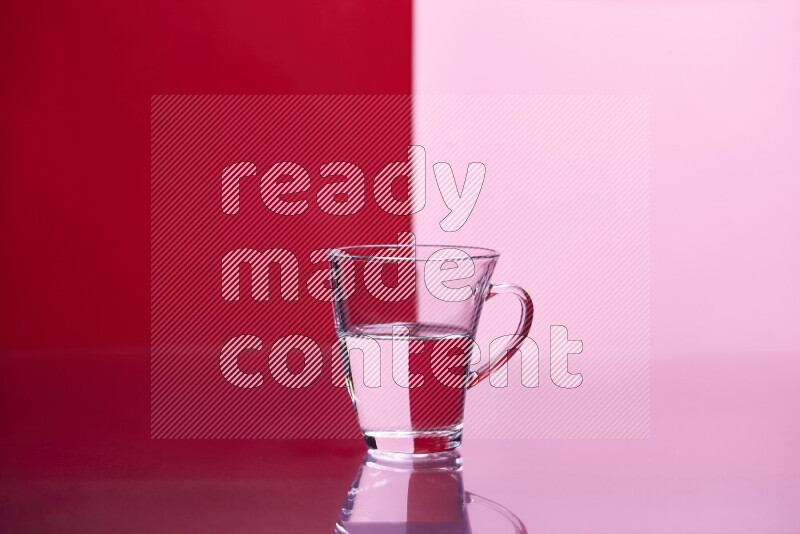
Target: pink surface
[[720, 459]]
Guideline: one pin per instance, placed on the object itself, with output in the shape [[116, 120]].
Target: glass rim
[[474, 253]]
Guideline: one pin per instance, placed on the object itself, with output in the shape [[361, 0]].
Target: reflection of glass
[[405, 494], [405, 332]]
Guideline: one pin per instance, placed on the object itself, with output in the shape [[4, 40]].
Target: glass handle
[[522, 330], [519, 526]]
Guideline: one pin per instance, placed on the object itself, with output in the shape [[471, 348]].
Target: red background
[[193, 139], [77, 83]]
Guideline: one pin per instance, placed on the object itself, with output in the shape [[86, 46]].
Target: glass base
[[413, 442]]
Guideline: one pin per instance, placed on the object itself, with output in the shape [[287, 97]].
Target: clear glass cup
[[422, 495], [406, 318]]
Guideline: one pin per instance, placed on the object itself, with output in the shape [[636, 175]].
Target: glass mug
[[406, 318], [421, 495]]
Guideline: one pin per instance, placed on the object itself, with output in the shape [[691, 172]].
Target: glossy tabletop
[[77, 458]]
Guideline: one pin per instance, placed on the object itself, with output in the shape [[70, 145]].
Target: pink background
[[724, 123], [725, 295], [566, 201]]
